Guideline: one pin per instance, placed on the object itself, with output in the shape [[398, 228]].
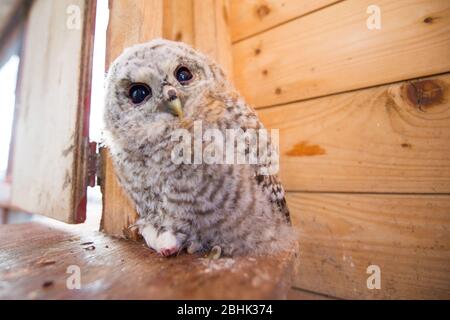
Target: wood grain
[[211, 32], [34, 259], [253, 16], [178, 20], [332, 50], [118, 210], [392, 138], [48, 175], [130, 23], [340, 235]]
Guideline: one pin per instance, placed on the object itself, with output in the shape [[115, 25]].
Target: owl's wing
[[275, 192], [245, 118], [270, 183]]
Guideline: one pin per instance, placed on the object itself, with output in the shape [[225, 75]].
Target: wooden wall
[[364, 119]]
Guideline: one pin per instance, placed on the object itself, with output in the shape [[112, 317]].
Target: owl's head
[[152, 86]]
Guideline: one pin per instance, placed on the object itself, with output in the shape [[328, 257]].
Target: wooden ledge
[[34, 258]]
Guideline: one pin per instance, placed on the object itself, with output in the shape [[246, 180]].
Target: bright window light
[[8, 77]]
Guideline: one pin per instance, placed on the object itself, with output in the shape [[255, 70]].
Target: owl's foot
[[194, 247], [165, 243]]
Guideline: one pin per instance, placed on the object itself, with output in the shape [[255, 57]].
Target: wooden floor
[[35, 258]]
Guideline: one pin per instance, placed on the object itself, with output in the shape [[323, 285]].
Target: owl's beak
[[172, 102], [175, 107]]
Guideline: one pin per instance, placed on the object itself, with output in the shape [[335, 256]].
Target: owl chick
[[154, 89]]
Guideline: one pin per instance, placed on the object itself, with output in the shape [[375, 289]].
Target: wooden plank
[[178, 20], [118, 210], [332, 50], [392, 138], [211, 32], [340, 235], [203, 26], [254, 16], [53, 111], [34, 259], [130, 22]]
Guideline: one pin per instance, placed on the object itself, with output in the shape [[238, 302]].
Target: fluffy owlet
[[153, 90]]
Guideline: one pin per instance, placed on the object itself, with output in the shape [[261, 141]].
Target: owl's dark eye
[[139, 92], [183, 75]]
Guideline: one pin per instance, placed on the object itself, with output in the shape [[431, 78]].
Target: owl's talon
[[169, 251], [193, 247], [215, 253]]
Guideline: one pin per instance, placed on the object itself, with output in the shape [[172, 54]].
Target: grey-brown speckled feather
[[193, 206]]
